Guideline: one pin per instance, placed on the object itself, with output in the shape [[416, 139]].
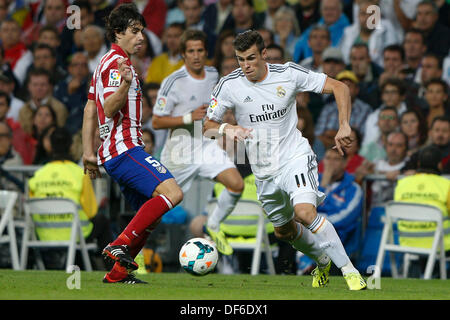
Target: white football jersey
[[178, 95], [269, 108]]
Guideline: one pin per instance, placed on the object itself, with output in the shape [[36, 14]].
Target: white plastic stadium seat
[[395, 211], [54, 206], [261, 243], [7, 201]]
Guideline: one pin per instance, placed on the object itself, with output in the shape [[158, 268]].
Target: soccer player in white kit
[[262, 96], [180, 106]]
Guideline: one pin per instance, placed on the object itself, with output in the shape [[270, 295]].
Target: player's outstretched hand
[[91, 167], [343, 138], [238, 133], [124, 70]]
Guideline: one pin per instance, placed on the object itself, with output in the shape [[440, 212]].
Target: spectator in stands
[[439, 136], [387, 123], [275, 54], [333, 18], [224, 48], [367, 72], [393, 62], [413, 125], [319, 40], [217, 14], [94, 45], [167, 62], [54, 14], [427, 20], [150, 93], [14, 51], [267, 35], [68, 43], [354, 160], [17, 10], [243, 17], [143, 58], [50, 36], [431, 67], [43, 147], [72, 91], [8, 157], [154, 12], [362, 31], [286, 30], [44, 57], [40, 88], [332, 62], [101, 10], [5, 102], [424, 187], [415, 47], [192, 10], [227, 66], [267, 17], [393, 95], [328, 123], [436, 96], [149, 141], [343, 205], [307, 13], [61, 177], [7, 85]]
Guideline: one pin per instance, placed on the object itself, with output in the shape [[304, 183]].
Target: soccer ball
[[198, 256]]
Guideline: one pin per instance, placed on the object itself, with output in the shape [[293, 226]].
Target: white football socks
[[306, 243], [225, 204], [329, 241]]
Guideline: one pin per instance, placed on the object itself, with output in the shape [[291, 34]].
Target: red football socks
[[149, 212]]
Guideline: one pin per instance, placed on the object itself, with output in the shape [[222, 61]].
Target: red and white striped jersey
[[123, 131]]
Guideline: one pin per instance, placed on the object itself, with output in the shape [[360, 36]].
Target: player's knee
[[175, 195], [237, 186], [305, 213]]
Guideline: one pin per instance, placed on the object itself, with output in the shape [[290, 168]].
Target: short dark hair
[[439, 60], [417, 31], [276, 47], [122, 17], [438, 81], [397, 48], [44, 46], [439, 118], [396, 82], [61, 141], [387, 108], [192, 34], [246, 39], [49, 27], [429, 158], [40, 72]]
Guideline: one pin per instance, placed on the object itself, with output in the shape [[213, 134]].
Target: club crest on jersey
[[213, 103], [114, 78], [281, 92]]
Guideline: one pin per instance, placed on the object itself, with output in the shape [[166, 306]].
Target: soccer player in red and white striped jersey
[[115, 105]]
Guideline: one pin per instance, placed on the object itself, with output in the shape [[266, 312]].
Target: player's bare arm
[[213, 129], [342, 96], [117, 100], [168, 122], [87, 135]]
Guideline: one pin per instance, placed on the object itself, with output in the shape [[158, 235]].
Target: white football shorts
[[297, 182]]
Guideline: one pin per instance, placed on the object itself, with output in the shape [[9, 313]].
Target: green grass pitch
[[52, 285]]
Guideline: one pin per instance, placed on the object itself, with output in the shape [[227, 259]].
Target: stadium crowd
[[396, 64]]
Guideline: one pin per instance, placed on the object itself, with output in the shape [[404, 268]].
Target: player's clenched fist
[[124, 70], [200, 112]]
